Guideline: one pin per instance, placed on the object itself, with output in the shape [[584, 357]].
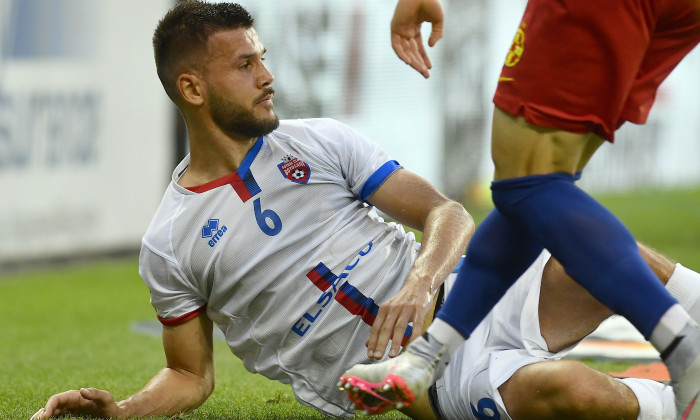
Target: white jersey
[[284, 256]]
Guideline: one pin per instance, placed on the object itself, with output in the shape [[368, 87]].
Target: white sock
[[684, 285], [670, 324], [656, 400], [446, 334]]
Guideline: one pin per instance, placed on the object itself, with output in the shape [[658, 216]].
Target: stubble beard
[[236, 120]]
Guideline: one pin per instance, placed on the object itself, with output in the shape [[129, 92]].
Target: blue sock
[[590, 242], [499, 252]]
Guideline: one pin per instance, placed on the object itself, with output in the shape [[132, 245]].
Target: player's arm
[[406, 38], [183, 385], [446, 226]]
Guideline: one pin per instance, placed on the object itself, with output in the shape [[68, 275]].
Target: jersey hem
[[548, 118], [173, 322]]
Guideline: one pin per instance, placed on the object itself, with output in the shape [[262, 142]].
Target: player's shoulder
[[323, 135], [164, 215]]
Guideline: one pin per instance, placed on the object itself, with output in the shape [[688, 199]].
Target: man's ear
[[191, 88]]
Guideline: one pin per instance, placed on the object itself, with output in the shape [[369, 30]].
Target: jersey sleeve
[[172, 296], [363, 163]]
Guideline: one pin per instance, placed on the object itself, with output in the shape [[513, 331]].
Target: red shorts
[[590, 65]]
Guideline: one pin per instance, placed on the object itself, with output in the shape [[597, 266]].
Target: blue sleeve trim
[[378, 178]]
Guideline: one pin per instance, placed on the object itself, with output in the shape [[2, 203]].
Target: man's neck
[[214, 157]]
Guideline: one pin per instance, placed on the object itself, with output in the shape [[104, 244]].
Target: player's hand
[[84, 402], [405, 31], [411, 304]]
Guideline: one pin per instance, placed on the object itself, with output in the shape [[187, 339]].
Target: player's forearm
[[169, 392], [446, 232]]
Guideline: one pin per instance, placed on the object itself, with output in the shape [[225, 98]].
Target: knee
[[566, 389], [537, 391]]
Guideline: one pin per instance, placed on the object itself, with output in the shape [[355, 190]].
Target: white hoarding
[[85, 131]]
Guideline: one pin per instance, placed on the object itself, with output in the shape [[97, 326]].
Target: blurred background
[[88, 138]]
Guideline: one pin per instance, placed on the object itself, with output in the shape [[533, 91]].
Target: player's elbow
[[206, 387], [466, 217], [199, 394], [196, 387], [460, 217]]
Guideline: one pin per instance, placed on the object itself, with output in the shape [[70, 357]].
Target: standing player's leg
[[533, 163], [600, 253]]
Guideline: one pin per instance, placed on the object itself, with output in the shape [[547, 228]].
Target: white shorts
[[508, 339]]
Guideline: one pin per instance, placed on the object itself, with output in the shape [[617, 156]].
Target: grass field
[[71, 326]]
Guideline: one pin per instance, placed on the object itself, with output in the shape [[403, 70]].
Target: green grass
[[70, 327]]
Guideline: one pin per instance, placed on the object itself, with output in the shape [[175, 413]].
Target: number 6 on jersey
[[262, 217]]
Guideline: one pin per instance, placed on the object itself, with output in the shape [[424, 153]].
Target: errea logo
[[212, 230]]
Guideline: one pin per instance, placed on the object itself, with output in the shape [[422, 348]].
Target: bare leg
[[547, 390]]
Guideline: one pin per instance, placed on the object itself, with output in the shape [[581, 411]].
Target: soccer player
[[265, 232], [576, 71]]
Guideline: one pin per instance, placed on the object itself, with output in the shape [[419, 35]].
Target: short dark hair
[[185, 30]]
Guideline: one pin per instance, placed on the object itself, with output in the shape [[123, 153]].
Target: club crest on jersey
[[294, 169]]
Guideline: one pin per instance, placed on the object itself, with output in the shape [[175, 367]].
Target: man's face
[[239, 92]]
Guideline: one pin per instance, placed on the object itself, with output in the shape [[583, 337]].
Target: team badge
[[294, 169], [517, 48]]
